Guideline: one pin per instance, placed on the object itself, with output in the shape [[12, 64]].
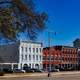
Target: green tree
[[20, 16], [76, 43]]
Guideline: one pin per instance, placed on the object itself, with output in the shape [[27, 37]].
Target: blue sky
[[64, 19]]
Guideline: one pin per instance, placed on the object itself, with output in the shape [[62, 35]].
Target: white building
[[20, 54]]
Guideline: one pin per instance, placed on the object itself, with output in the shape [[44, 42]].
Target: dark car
[[36, 70], [54, 70], [29, 71], [18, 71], [6, 70]]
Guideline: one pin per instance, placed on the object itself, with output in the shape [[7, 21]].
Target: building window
[[26, 49], [36, 57], [48, 65], [22, 49], [29, 57], [29, 49], [48, 58], [40, 58], [25, 57], [33, 57], [37, 50], [33, 49], [52, 57], [22, 57], [44, 57], [40, 50]]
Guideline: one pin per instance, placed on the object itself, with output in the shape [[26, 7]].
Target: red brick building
[[61, 57]]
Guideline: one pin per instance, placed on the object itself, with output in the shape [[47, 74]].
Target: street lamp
[[49, 55], [49, 41]]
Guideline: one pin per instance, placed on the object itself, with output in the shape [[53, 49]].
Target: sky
[[63, 18]]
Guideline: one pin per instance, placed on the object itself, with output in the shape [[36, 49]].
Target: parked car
[[28, 70], [54, 70], [36, 70], [6, 70], [18, 71]]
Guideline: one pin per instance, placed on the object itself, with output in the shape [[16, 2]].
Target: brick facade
[[62, 57]]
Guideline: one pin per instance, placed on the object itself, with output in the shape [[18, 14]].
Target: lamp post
[[49, 55], [49, 42]]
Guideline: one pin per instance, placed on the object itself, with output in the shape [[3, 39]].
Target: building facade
[[69, 57], [79, 58], [20, 54], [76, 44], [51, 58], [61, 57], [30, 53]]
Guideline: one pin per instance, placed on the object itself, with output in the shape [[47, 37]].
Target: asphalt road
[[53, 77]]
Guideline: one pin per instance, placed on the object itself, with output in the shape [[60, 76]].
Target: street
[[75, 76]]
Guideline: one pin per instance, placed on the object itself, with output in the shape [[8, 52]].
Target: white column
[[19, 66], [12, 66]]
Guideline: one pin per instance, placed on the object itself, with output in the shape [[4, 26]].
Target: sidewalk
[[39, 74]]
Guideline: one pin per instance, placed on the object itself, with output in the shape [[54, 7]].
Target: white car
[[23, 71]]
